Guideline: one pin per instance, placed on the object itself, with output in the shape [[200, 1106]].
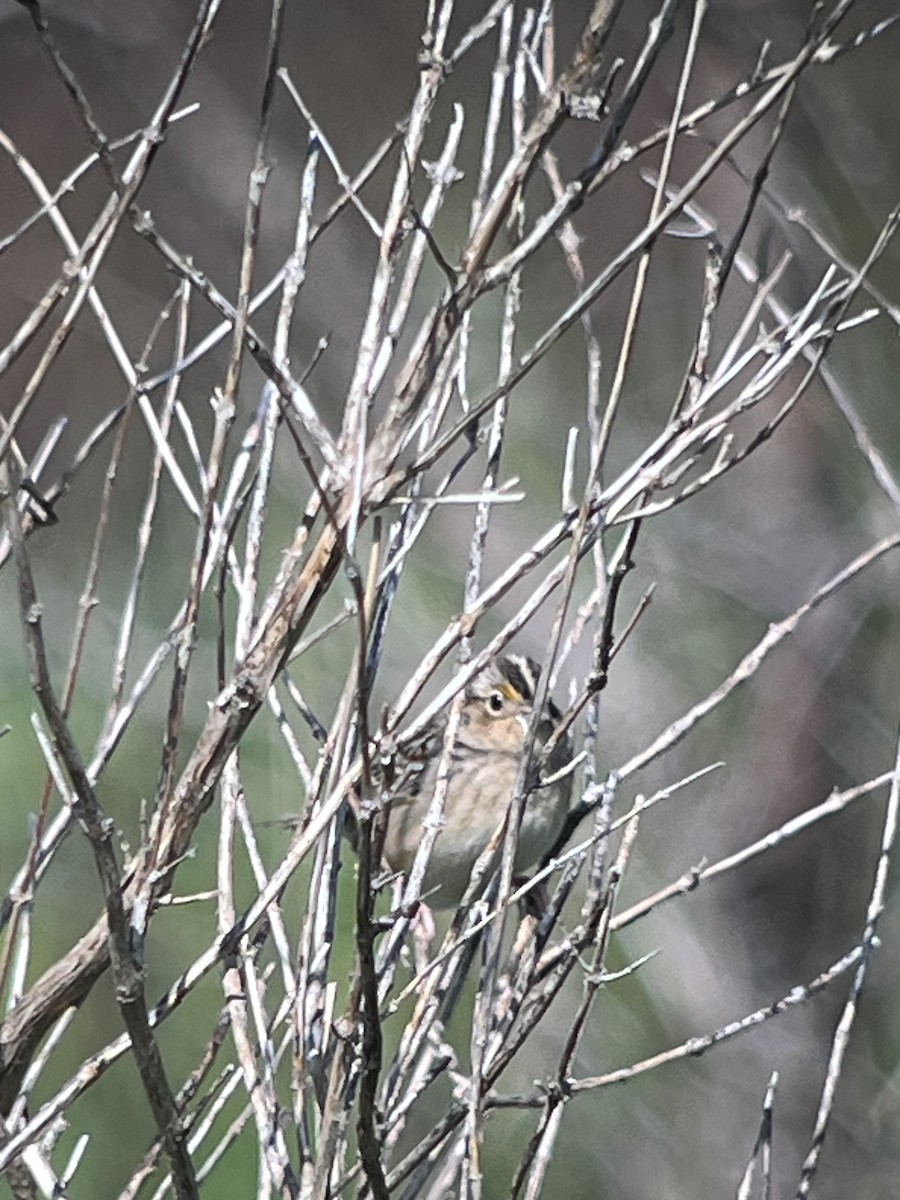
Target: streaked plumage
[[483, 769]]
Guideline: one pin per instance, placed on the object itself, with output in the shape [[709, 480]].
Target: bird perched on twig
[[484, 763]]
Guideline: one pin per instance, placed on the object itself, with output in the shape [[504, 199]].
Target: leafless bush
[[282, 527]]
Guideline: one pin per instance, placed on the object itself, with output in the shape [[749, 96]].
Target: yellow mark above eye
[[509, 692]]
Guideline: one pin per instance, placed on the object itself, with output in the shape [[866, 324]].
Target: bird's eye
[[495, 702]]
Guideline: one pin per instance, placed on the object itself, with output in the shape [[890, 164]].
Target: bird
[[482, 771]]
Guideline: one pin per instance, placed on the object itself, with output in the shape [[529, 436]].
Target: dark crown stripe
[[522, 673]]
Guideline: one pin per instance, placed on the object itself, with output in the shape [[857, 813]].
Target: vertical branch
[[125, 937], [867, 944]]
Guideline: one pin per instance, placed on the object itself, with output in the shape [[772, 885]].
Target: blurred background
[[820, 715]]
